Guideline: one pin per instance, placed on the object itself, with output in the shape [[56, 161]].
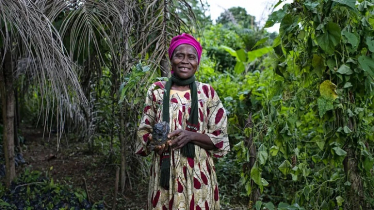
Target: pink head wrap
[[185, 39]]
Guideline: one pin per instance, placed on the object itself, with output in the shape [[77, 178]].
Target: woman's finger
[[161, 149], [175, 133]]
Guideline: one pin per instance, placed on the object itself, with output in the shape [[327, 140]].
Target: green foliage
[[32, 190], [311, 108]]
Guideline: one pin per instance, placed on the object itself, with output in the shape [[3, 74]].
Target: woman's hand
[[160, 148], [181, 138]]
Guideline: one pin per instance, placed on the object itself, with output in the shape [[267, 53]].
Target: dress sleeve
[[146, 124], [217, 125]]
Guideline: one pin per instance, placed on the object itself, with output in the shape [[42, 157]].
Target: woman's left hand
[[182, 137]]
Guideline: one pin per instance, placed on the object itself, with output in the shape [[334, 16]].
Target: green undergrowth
[[34, 190]]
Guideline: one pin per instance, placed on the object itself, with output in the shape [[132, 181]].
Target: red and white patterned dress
[[193, 181]]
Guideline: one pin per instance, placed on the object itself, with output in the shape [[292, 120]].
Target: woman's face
[[184, 61]]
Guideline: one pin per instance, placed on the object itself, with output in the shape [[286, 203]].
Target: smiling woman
[[182, 172]]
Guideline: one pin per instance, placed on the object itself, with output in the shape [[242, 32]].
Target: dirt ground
[[74, 166]]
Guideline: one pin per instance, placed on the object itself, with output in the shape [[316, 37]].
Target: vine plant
[[312, 108]]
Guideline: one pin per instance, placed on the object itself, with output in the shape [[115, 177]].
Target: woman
[[183, 174]]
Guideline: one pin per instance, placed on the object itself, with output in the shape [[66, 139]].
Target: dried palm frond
[[159, 22], [27, 33]]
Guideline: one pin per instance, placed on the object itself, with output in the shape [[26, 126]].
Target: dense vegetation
[[300, 102]]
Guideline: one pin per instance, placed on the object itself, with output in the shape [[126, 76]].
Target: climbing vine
[[309, 112]]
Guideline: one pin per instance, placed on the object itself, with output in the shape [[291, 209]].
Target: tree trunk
[[123, 149], [164, 66], [8, 104], [16, 121], [355, 194], [255, 195]]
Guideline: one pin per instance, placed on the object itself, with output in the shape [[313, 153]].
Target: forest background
[[74, 76]]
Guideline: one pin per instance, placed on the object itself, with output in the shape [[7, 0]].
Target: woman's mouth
[[184, 69]]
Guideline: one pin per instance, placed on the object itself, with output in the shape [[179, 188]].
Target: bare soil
[[73, 165]]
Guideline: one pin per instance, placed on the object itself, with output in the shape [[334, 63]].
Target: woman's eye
[[192, 57]]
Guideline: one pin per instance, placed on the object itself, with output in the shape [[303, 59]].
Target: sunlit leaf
[[327, 90], [252, 55], [285, 167], [239, 67], [256, 175], [274, 150], [241, 55], [339, 200], [230, 50]]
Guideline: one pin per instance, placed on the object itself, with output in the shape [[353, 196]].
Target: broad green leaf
[[4, 204], [347, 130], [269, 206], [283, 206], [344, 69], [339, 200], [349, 3], [256, 175], [274, 150], [367, 64], [230, 50], [364, 5], [352, 38], [327, 89], [339, 151], [347, 85], [262, 154], [319, 141], [258, 205], [252, 55], [241, 55], [306, 192], [239, 67], [330, 38], [276, 17], [277, 41], [311, 6], [324, 105], [285, 167], [260, 42], [294, 177], [289, 23], [264, 182], [370, 43]]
